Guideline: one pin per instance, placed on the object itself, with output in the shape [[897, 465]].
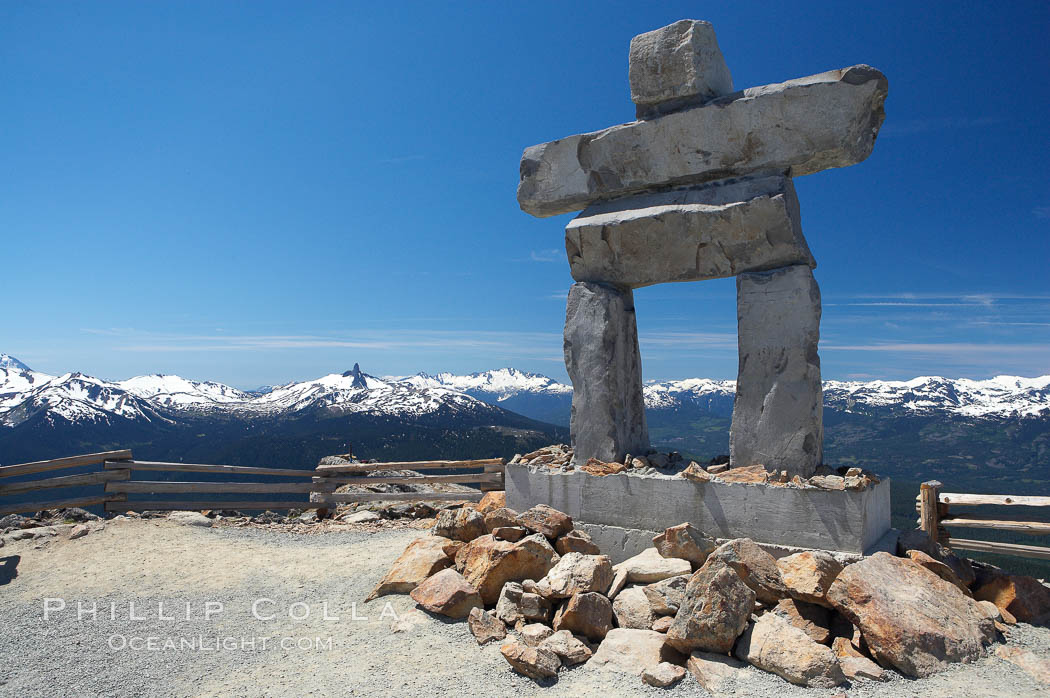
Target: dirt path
[[152, 562]]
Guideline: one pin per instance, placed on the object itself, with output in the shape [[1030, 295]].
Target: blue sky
[[259, 192]]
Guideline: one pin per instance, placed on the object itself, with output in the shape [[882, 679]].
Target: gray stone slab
[[778, 411], [676, 66], [797, 127], [850, 521], [605, 367], [708, 232]]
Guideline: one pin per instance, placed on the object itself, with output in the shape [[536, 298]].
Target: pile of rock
[[535, 582], [667, 464], [824, 479]]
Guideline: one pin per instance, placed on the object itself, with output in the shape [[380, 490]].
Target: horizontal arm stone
[[797, 127], [709, 232]]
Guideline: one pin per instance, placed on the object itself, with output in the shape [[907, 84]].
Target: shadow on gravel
[[9, 568]]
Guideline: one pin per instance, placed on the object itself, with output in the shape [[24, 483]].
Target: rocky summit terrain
[[494, 602]]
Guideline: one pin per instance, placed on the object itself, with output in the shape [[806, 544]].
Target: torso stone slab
[[710, 232]]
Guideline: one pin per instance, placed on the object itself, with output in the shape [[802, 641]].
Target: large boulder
[[422, 558], [757, 568], [533, 634], [463, 524], [567, 646], [632, 609], [1025, 598], [773, 644], [631, 651], [575, 573], [508, 606], [546, 520], [495, 499], [535, 662], [666, 596], [810, 618], [501, 517], [918, 540], [714, 610], [663, 674], [535, 608], [485, 626], [650, 566], [588, 614], [576, 541], [685, 542], [808, 575], [716, 672], [910, 618], [488, 563], [448, 594], [938, 568]]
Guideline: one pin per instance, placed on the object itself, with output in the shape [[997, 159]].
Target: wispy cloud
[[910, 127], [537, 345], [1041, 211], [942, 348]]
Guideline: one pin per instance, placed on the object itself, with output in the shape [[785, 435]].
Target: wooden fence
[[936, 516], [95, 478], [316, 488]]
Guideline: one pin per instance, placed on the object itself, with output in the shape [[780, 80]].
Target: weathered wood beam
[[1035, 528], [65, 481], [60, 463], [987, 546], [205, 468], [166, 487], [968, 500]]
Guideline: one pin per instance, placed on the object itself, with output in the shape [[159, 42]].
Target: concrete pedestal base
[[633, 507]]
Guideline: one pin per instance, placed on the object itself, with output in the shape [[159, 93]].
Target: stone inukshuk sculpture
[[700, 188]]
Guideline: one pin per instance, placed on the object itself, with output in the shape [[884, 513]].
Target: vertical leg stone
[[778, 415], [604, 364]]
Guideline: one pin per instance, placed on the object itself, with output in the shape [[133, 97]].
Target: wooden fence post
[[929, 492]]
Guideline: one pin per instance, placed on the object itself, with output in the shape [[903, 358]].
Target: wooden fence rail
[[935, 517], [96, 478], [319, 484]]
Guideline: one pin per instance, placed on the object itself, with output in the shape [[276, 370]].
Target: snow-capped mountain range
[[76, 397]]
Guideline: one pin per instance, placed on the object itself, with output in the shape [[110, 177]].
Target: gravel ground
[[149, 562]]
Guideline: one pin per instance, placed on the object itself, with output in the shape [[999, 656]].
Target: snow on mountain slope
[[16, 381], [10, 362], [1000, 396], [355, 391], [75, 398], [503, 382], [175, 391], [665, 394]]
